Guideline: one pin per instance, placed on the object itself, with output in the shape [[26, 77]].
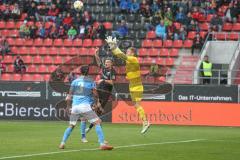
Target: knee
[[72, 126], [99, 121]]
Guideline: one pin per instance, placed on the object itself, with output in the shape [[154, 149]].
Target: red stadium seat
[[174, 52], [18, 24], [87, 43], [83, 51], [188, 43], [204, 26], [6, 77], [14, 33], [28, 42], [227, 26], [10, 68], [177, 43], [73, 51], [160, 61], [15, 50], [8, 59], [97, 42], [91, 51], [31, 23], [143, 52], [52, 68], [10, 25], [57, 60], [203, 34], [37, 60], [164, 52], [147, 43], [19, 42], [234, 36], [38, 24], [63, 51], [236, 27], [2, 25], [42, 69], [77, 43], [107, 25], [53, 51], [38, 42], [26, 77], [43, 51], [177, 25], [23, 50], [68, 43], [17, 77], [37, 77], [47, 42], [154, 52], [58, 42], [168, 43], [209, 17], [31, 68], [33, 51], [191, 35], [151, 35], [47, 60], [27, 59], [48, 24], [221, 36], [169, 61], [11, 41], [5, 33], [23, 16], [46, 77], [157, 43]]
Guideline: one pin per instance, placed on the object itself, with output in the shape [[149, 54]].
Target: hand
[[112, 42]]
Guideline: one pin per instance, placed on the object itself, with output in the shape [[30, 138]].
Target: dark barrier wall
[[38, 101]]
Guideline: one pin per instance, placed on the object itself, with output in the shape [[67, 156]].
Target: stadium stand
[[42, 55]]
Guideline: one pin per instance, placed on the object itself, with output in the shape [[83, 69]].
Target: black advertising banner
[[13, 90], [206, 93], [121, 91]]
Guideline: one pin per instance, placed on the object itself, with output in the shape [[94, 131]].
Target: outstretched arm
[[112, 43], [97, 57]]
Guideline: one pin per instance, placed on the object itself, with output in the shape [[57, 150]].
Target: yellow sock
[[141, 113]]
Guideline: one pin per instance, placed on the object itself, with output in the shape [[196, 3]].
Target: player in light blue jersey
[[83, 94]]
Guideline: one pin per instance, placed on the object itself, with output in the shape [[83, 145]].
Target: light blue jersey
[[82, 90]]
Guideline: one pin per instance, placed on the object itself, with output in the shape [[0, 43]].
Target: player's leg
[[68, 131], [82, 130], [136, 97], [92, 117]]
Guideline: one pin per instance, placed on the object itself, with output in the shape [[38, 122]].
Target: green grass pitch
[[40, 140]]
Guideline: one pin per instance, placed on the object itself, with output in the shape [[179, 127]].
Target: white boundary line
[[94, 149]]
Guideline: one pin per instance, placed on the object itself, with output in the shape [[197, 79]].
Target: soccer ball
[[78, 5]]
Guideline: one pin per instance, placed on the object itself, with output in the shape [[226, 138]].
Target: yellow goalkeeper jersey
[[133, 73]]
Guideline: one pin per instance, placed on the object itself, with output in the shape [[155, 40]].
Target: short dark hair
[[84, 70]]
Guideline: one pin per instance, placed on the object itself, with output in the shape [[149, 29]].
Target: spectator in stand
[[87, 19], [154, 69], [41, 31], [155, 6], [41, 14], [216, 22], [6, 12], [88, 32], [187, 19], [81, 31], [113, 3], [52, 13], [158, 16], [180, 16], [61, 32], [32, 11], [121, 31], [161, 30], [135, 6], [147, 15], [182, 34], [2, 67], [16, 13], [32, 31], [72, 32], [197, 43], [67, 21], [4, 47], [172, 32], [125, 5], [101, 32], [59, 20], [193, 26], [24, 30], [232, 12], [77, 20], [53, 31], [19, 66]]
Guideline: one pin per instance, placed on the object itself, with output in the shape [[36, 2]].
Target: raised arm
[[98, 60]]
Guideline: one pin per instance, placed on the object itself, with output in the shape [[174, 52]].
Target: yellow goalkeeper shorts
[[136, 93]]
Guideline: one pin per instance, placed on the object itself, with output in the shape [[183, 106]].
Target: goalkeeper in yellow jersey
[[133, 74]]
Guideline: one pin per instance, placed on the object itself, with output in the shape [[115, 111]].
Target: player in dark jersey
[[105, 84]]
